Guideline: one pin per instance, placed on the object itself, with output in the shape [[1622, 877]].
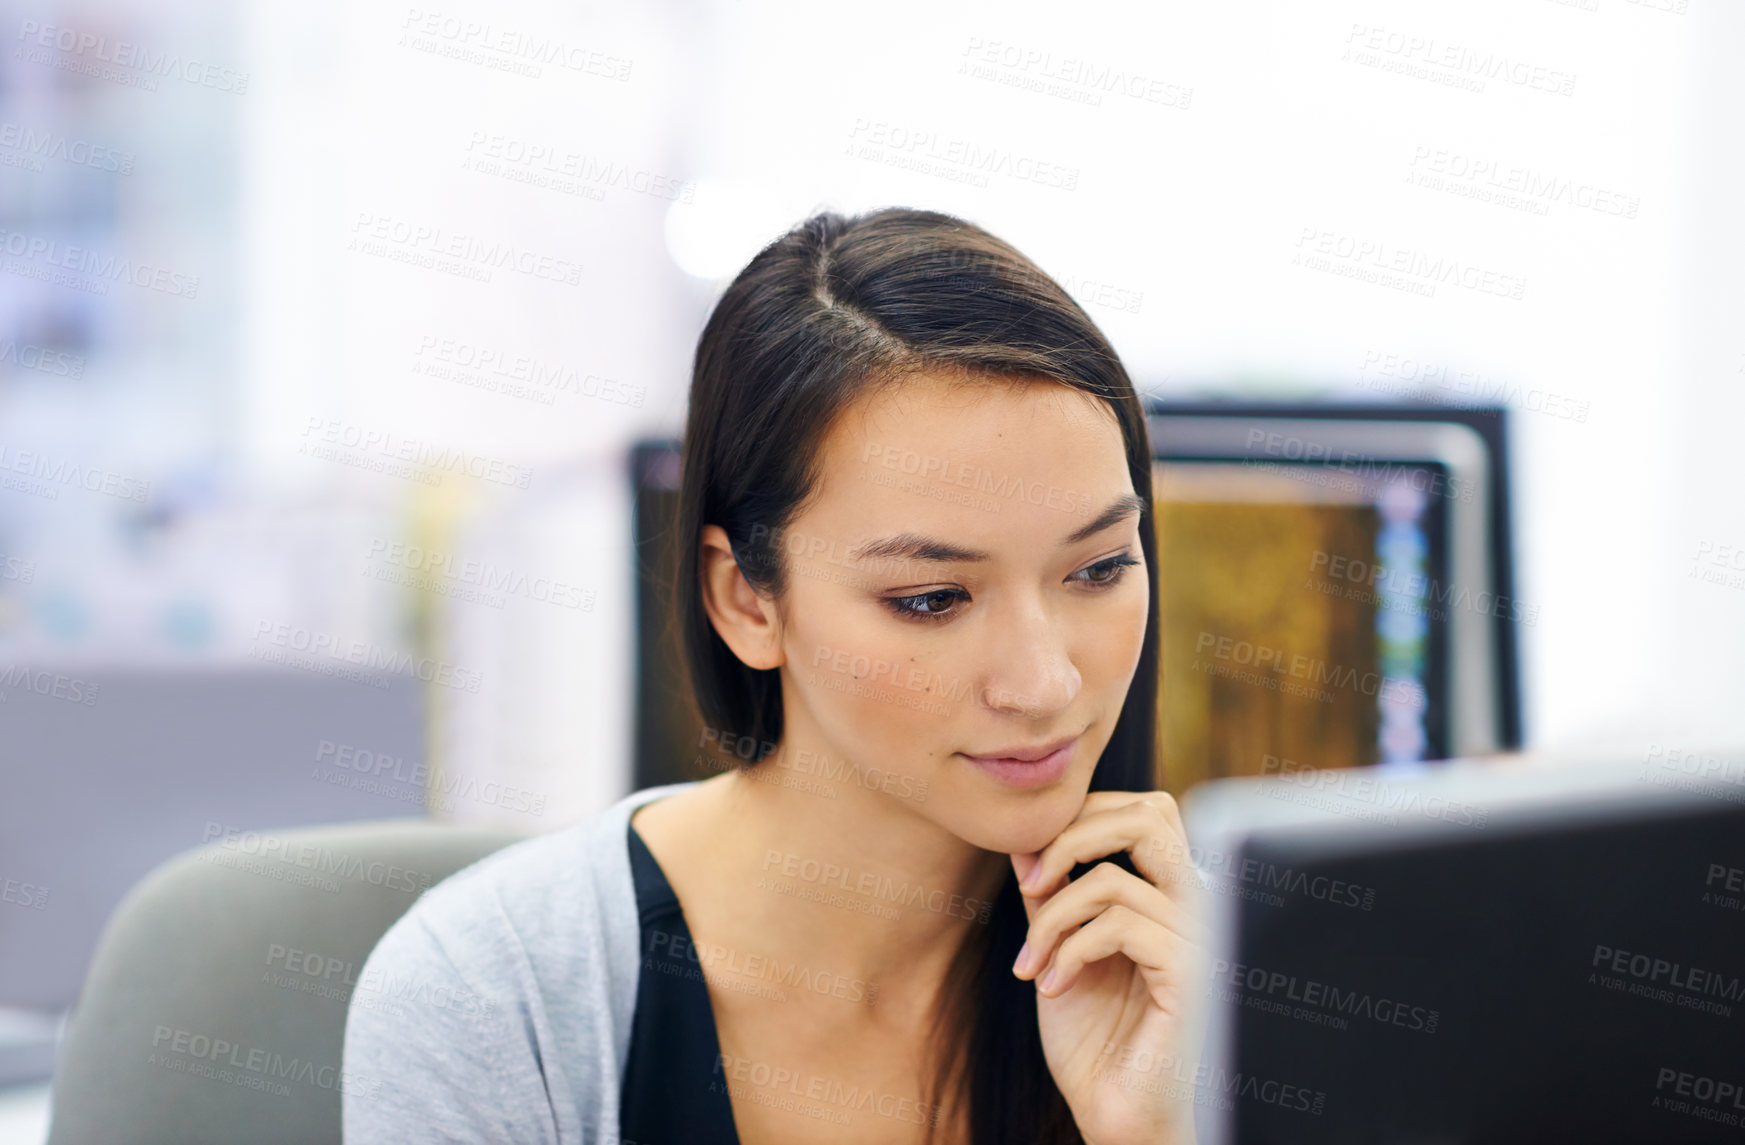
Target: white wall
[[1273, 130]]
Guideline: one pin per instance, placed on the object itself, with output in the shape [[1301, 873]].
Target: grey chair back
[[214, 1009]]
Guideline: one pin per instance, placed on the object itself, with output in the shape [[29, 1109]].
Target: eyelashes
[[1113, 570]]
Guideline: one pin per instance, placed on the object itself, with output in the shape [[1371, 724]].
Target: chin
[[1027, 825]]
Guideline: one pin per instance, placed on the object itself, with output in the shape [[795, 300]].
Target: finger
[[1116, 931], [1167, 848], [1109, 821], [1146, 824], [1022, 863], [1104, 888]]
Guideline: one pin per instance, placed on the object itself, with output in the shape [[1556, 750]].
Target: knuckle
[[1107, 876], [1163, 806], [1042, 926]]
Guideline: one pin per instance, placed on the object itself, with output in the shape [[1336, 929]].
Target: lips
[[1017, 754], [1034, 767]]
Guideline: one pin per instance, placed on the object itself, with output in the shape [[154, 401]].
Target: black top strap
[[673, 1093]]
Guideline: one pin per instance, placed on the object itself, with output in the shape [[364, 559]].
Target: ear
[[745, 621]]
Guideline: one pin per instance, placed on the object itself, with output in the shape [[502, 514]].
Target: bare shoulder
[[667, 824]]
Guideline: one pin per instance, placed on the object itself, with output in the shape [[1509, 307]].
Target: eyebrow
[[914, 547]]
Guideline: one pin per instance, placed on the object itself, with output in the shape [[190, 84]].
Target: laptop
[[1514, 949]]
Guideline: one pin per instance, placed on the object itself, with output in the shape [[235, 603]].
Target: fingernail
[[1048, 978], [1018, 967]]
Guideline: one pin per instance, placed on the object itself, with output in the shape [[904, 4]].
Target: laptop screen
[[1576, 980]]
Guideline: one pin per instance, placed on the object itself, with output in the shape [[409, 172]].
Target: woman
[[915, 550]]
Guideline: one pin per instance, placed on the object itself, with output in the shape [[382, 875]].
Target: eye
[[1109, 571], [911, 606], [936, 605]]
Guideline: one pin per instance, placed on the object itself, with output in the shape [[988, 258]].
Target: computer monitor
[[1389, 523], [1485, 952]]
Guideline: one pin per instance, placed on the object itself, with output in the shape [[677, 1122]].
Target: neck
[[857, 885]]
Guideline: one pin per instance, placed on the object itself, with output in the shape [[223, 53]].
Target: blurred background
[[343, 347]]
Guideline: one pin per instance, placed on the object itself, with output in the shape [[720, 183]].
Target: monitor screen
[[1297, 620], [1579, 980]]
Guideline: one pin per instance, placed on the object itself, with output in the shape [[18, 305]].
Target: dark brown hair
[[822, 315]]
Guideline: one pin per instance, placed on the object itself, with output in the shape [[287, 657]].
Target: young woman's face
[[968, 582]]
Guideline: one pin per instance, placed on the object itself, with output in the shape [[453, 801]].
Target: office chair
[[214, 1010]]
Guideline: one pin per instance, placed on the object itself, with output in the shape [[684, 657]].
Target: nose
[[1031, 673]]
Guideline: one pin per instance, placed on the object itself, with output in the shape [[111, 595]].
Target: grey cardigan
[[499, 1007]]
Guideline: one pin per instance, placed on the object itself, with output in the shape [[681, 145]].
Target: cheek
[[1121, 638], [862, 676]]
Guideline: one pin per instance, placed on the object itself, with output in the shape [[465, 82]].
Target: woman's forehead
[[1009, 460], [968, 411]]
